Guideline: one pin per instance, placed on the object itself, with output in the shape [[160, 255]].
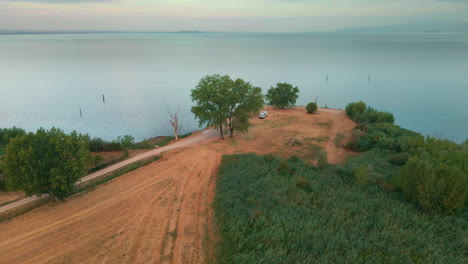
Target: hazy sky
[[224, 15]]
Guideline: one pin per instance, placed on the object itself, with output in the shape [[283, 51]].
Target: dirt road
[[202, 137], [159, 213]]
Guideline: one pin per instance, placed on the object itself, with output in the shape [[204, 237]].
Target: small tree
[[283, 95], [311, 108], [46, 162], [221, 101]]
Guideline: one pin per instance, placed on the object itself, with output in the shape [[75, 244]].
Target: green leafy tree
[[283, 95], [46, 162], [223, 102]]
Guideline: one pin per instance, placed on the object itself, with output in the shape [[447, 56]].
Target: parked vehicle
[[263, 114]]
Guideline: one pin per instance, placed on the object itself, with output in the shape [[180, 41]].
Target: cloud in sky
[[222, 15]]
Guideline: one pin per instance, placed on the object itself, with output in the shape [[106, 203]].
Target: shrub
[[383, 136], [126, 141], [97, 144], [360, 113], [97, 160], [339, 140], [355, 108], [440, 187], [311, 107]]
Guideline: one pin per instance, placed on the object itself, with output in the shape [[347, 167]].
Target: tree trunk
[[231, 132], [221, 131]]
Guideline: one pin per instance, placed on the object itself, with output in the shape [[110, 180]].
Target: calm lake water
[[46, 79]]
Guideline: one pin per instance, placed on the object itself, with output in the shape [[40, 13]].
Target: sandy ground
[[160, 213], [10, 196]]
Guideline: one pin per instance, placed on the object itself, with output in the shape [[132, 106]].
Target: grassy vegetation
[[168, 139], [100, 166], [268, 210]]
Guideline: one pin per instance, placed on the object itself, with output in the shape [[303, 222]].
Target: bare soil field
[[6, 197], [159, 213]]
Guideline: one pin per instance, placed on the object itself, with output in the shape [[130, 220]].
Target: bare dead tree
[[174, 121]]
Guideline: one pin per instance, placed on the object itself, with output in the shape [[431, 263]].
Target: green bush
[[355, 108], [383, 136], [435, 187], [126, 141], [97, 144], [359, 113], [311, 107]]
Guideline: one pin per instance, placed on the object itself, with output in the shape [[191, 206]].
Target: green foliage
[[46, 162], [435, 186], [97, 160], [311, 107], [221, 101], [284, 168], [121, 143], [283, 95], [361, 177], [360, 113], [355, 108], [338, 141], [304, 184], [321, 216], [168, 139], [126, 141], [384, 136], [6, 134]]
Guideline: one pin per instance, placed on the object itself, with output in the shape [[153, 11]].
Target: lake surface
[[46, 79]]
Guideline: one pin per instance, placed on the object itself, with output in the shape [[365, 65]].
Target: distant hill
[[410, 28]]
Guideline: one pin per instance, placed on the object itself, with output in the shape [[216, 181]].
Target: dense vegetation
[[48, 161], [434, 172], [268, 210], [403, 200], [283, 95], [311, 108], [121, 143], [223, 102]]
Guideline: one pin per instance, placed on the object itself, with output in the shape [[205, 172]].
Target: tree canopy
[[283, 95], [46, 162], [223, 102]]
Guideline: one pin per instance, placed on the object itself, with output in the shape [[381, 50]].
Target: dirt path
[[202, 137], [159, 213]]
